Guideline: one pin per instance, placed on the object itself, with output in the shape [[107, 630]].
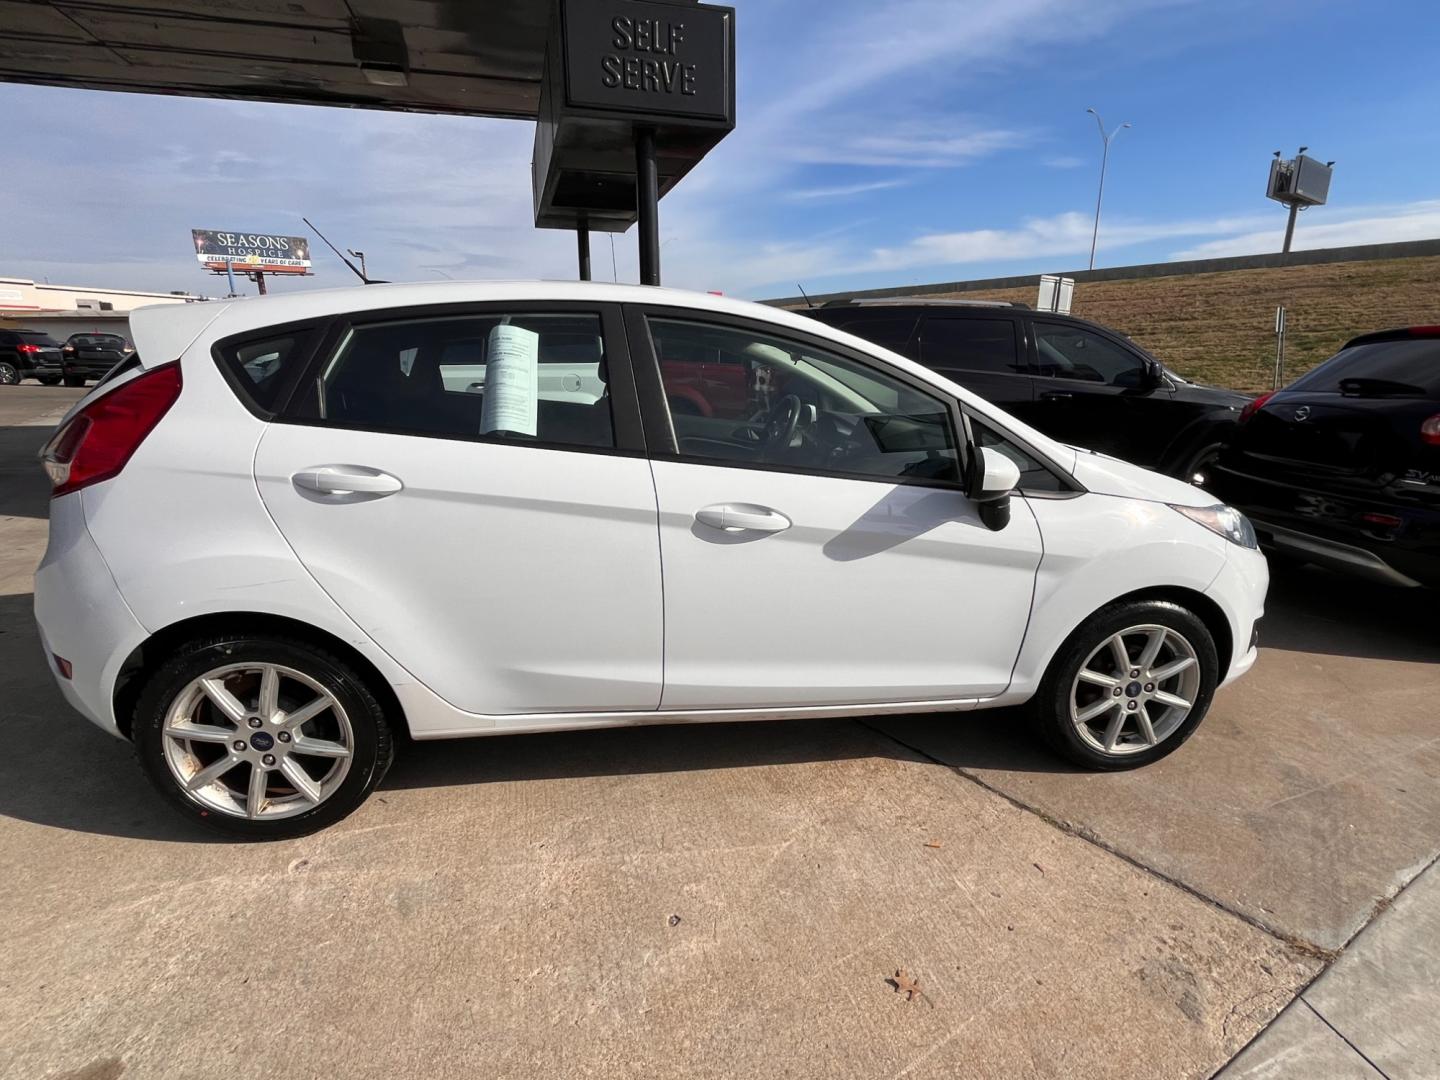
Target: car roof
[[918, 302], [1399, 333], [166, 330]]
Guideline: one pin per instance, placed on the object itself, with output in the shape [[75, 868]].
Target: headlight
[[1224, 520]]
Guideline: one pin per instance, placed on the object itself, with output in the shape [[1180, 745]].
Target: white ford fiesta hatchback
[[290, 529]]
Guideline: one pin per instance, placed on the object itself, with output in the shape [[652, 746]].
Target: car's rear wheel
[[261, 737], [9, 373], [49, 380], [74, 380], [1128, 687]]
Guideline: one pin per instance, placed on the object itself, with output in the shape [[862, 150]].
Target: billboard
[[1302, 180], [248, 252]]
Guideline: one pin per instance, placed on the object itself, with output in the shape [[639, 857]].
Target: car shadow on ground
[[56, 769], [59, 770], [24, 487], [1313, 610]]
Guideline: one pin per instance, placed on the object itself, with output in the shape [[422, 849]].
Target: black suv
[[1342, 467], [26, 354], [1077, 381], [89, 356]]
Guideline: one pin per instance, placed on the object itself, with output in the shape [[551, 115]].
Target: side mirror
[[1154, 375], [993, 476]]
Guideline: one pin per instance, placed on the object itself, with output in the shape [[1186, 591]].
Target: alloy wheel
[[1135, 689], [257, 741], [9, 375]]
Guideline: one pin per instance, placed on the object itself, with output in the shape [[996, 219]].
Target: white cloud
[[841, 191], [1359, 225], [1064, 161], [910, 145]]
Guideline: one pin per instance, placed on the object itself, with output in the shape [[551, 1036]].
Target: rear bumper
[[82, 616], [1331, 528], [1331, 553], [88, 369]]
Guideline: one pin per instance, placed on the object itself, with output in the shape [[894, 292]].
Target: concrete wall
[[1359, 253]]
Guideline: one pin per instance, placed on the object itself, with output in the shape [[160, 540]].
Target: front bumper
[[1239, 589], [82, 616]]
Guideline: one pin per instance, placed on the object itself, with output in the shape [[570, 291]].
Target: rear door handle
[[1056, 395], [742, 517], [347, 480]]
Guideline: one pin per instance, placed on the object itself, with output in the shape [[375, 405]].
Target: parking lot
[[720, 900]]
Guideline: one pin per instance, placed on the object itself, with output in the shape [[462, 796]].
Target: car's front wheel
[[261, 737], [74, 380], [1128, 687], [49, 380]]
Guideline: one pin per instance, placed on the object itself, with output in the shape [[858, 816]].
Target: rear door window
[[539, 378], [960, 343]]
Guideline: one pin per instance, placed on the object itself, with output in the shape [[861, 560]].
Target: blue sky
[[878, 144]]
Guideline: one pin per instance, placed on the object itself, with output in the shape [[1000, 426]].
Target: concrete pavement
[[706, 901], [1374, 1014]]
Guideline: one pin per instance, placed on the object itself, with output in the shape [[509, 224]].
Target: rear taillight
[[1430, 431], [96, 442], [1255, 406], [27, 348]]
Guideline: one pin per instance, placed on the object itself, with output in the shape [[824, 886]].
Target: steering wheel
[[782, 422]]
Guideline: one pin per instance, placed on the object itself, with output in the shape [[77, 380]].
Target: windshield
[[35, 337]]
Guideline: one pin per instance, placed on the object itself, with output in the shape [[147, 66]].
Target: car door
[[497, 540], [824, 553], [985, 353], [1094, 391]]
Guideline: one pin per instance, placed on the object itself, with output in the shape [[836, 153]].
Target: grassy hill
[[1219, 327]]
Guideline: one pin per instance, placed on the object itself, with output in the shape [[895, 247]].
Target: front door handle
[[1056, 395], [347, 480], [742, 517]]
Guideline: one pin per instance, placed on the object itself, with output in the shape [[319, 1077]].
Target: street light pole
[[1106, 139]]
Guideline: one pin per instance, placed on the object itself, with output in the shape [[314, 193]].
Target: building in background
[[62, 310]]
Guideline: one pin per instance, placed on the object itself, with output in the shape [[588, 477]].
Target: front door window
[[737, 396]]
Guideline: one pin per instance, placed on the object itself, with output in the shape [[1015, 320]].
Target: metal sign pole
[[1290, 229], [582, 247], [1280, 339], [647, 208], [230, 275]]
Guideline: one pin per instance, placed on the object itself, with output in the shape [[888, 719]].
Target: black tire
[[49, 380], [372, 743], [1050, 707], [9, 374], [1201, 460], [74, 380]]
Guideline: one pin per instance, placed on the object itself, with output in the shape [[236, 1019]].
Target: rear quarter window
[[261, 368]]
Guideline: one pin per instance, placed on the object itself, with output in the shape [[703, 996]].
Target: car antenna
[[808, 304], [342, 258]]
